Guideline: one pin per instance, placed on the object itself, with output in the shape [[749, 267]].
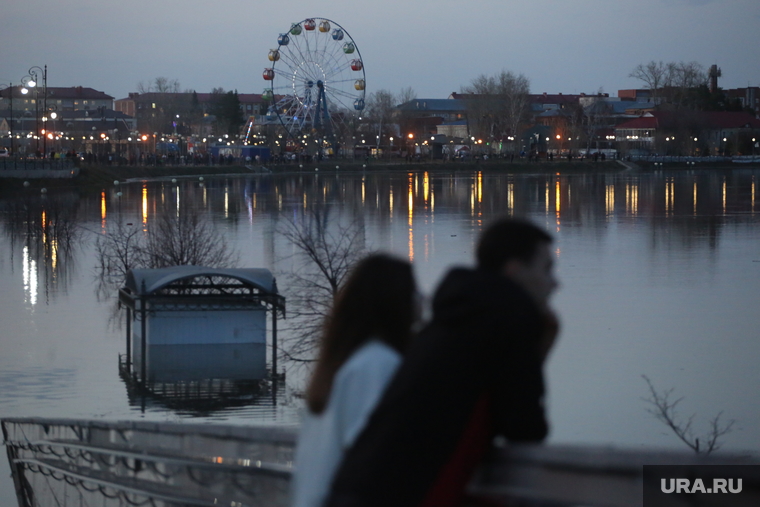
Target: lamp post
[[48, 134], [31, 81]]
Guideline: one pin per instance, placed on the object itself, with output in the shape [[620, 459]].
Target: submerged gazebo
[[188, 323]]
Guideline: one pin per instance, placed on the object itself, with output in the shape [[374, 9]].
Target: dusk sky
[[568, 46]]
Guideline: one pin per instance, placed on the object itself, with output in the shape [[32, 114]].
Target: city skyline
[[570, 47]]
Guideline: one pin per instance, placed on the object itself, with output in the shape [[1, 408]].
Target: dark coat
[[474, 372]]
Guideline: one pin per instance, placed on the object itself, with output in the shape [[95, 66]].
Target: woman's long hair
[[377, 302]]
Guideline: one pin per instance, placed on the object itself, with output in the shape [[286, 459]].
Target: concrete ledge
[[30, 174]]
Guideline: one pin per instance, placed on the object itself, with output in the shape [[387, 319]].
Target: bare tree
[[117, 252], [497, 105], [326, 251], [596, 114], [685, 79], [159, 85], [663, 407], [654, 75], [49, 228], [481, 103], [405, 117], [406, 94], [515, 89], [380, 110], [187, 239], [672, 82]]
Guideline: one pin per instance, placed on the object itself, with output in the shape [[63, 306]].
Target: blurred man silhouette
[[474, 372]]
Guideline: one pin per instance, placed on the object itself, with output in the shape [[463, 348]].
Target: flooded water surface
[[659, 273]]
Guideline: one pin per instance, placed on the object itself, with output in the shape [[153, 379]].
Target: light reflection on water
[[659, 276]]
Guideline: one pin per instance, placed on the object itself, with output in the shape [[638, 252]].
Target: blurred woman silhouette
[[361, 346]]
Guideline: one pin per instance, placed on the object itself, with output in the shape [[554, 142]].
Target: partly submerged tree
[[326, 250], [48, 227], [180, 239], [118, 251], [186, 239], [663, 407]]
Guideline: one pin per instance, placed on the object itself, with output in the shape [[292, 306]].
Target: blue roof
[[620, 107]]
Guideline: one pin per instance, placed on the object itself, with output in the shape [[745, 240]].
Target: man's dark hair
[[508, 239]]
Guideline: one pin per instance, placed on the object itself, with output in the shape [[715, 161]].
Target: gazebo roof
[[148, 281]]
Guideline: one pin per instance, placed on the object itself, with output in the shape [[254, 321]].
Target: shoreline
[[92, 178]]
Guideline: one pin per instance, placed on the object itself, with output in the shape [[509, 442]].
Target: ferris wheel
[[317, 84]]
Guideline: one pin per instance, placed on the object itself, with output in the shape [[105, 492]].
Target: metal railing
[[169, 464]]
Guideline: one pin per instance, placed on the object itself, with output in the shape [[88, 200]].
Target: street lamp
[[28, 82], [31, 81]]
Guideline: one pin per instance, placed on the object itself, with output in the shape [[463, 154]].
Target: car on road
[[4, 152]]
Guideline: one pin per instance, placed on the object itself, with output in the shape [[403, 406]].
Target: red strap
[[448, 489]]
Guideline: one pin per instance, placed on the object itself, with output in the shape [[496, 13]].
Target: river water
[[659, 273]]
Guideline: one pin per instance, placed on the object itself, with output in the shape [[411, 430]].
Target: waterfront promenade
[[170, 464]]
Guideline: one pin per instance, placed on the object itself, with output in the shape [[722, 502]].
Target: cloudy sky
[[436, 47]]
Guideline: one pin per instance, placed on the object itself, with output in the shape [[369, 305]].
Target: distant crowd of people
[[399, 413]]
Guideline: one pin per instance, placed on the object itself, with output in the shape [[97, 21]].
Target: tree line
[[682, 86], [497, 107]]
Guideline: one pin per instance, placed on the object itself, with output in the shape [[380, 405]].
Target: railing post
[[143, 338], [129, 340], [274, 341]]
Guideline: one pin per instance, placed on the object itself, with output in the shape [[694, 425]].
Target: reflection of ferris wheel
[[317, 83]]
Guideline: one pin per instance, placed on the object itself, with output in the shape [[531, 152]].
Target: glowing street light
[[31, 81]]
